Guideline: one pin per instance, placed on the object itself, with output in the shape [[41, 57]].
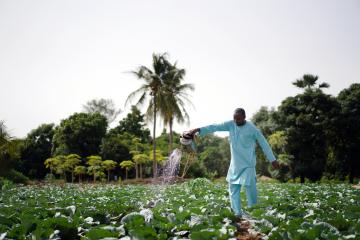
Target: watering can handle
[[190, 134]]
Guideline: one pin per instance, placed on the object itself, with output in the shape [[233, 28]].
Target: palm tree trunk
[[126, 173], [72, 176], [94, 177], [108, 175], [170, 135], [154, 140]]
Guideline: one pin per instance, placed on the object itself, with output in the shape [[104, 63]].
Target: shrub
[[16, 177], [5, 184], [49, 177]]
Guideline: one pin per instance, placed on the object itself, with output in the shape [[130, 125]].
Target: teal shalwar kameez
[[241, 171]]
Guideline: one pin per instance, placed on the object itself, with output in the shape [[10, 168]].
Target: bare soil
[[246, 232]]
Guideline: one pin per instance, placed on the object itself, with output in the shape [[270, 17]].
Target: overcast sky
[[57, 55]]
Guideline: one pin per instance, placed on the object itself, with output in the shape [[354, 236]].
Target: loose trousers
[[235, 201]]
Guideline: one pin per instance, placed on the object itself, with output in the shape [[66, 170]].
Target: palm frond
[[184, 97], [324, 85], [142, 90]]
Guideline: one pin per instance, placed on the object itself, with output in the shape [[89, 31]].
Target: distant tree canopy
[[105, 107], [347, 133], [10, 155], [265, 120], [116, 146], [313, 135], [162, 141], [321, 139], [306, 119], [37, 147], [81, 133], [214, 157], [133, 124]]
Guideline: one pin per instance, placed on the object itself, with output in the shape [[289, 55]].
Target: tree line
[[86, 134], [77, 147], [314, 135]]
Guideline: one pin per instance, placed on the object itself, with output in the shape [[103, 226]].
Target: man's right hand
[[192, 132]]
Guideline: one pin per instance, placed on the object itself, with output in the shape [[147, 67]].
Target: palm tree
[[175, 93], [152, 87], [308, 82]]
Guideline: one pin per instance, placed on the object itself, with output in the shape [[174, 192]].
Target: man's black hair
[[240, 111]]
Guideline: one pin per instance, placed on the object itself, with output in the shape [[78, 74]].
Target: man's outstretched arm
[[266, 149], [210, 129]]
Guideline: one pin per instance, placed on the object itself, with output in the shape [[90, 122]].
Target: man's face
[[239, 119]]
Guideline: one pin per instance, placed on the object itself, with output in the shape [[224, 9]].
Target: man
[[243, 136]]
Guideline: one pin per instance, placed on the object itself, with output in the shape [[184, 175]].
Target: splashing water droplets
[[172, 165]]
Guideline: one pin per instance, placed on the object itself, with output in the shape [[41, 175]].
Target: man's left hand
[[276, 164]]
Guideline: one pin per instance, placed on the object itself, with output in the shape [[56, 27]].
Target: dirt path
[[246, 232]]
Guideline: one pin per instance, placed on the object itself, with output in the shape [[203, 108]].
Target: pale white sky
[[56, 55]]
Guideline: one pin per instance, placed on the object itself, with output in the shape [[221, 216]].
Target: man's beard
[[241, 124]]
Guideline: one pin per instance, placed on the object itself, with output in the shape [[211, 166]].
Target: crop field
[[197, 209]]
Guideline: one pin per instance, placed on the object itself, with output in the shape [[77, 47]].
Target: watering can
[[187, 139]]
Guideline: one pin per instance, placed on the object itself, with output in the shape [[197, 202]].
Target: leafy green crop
[[198, 209], [308, 211]]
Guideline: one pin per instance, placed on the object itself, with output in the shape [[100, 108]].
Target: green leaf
[[98, 233], [204, 235], [143, 232], [48, 226]]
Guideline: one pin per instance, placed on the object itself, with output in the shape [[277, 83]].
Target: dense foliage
[[81, 134], [313, 135], [36, 148], [319, 139]]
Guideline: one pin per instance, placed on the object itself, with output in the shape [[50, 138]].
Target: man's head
[[239, 116]]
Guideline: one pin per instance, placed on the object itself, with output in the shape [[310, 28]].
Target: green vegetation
[[313, 134], [308, 211], [127, 165], [162, 83], [196, 209]]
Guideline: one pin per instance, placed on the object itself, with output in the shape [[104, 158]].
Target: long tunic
[[242, 146]]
